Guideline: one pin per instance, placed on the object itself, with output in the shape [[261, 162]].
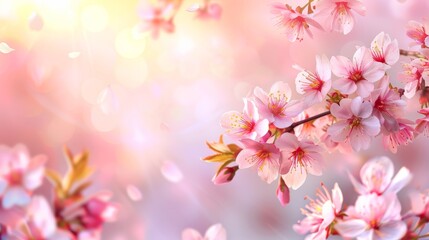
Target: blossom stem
[[423, 236], [296, 124], [411, 53]]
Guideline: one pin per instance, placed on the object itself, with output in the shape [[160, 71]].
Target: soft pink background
[[164, 100]]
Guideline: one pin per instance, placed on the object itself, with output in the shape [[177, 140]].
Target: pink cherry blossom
[[207, 10], [276, 105], [320, 213], [91, 212], [283, 194], [298, 159], [340, 13], [247, 124], [225, 175], [20, 175], [358, 75], [215, 232], [373, 217], [423, 123], [41, 223], [420, 204], [294, 22], [354, 123], [265, 156], [387, 105], [156, 19], [312, 130], [402, 136], [315, 86], [384, 50], [419, 33], [376, 176], [412, 75]]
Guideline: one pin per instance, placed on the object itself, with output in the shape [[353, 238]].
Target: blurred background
[[144, 107]]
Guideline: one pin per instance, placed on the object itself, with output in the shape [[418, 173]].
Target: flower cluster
[[160, 17], [25, 215], [332, 15], [346, 102], [376, 213]]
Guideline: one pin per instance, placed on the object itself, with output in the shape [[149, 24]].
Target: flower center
[[356, 76], [355, 122], [15, 178]]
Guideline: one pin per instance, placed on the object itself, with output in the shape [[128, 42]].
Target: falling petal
[[108, 101], [74, 55], [35, 22], [171, 172], [134, 193], [4, 48]]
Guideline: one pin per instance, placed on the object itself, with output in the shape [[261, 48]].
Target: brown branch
[[411, 53], [296, 124]]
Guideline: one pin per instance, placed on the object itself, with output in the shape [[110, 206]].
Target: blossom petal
[[402, 178], [295, 177], [15, 196], [216, 232], [392, 230], [351, 228], [191, 234]]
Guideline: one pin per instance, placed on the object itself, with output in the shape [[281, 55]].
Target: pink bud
[[225, 175], [283, 193]]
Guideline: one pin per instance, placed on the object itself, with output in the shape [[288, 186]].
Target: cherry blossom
[[419, 33], [20, 174], [420, 204], [373, 217], [155, 20], [312, 130], [387, 105], [376, 176], [283, 194], [339, 14], [315, 86], [276, 106], [384, 50], [355, 123], [41, 223], [298, 159], [206, 10], [320, 213], [247, 124], [402, 136], [358, 75], [91, 212], [412, 75], [215, 232], [225, 175], [423, 123], [265, 156], [294, 21]]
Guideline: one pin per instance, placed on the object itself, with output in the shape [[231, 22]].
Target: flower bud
[[225, 175], [283, 193]]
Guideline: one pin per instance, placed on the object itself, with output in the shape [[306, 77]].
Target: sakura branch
[[26, 216], [345, 104]]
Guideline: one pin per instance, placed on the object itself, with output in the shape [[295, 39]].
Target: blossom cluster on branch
[[376, 213], [70, 215], [345, 104]]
